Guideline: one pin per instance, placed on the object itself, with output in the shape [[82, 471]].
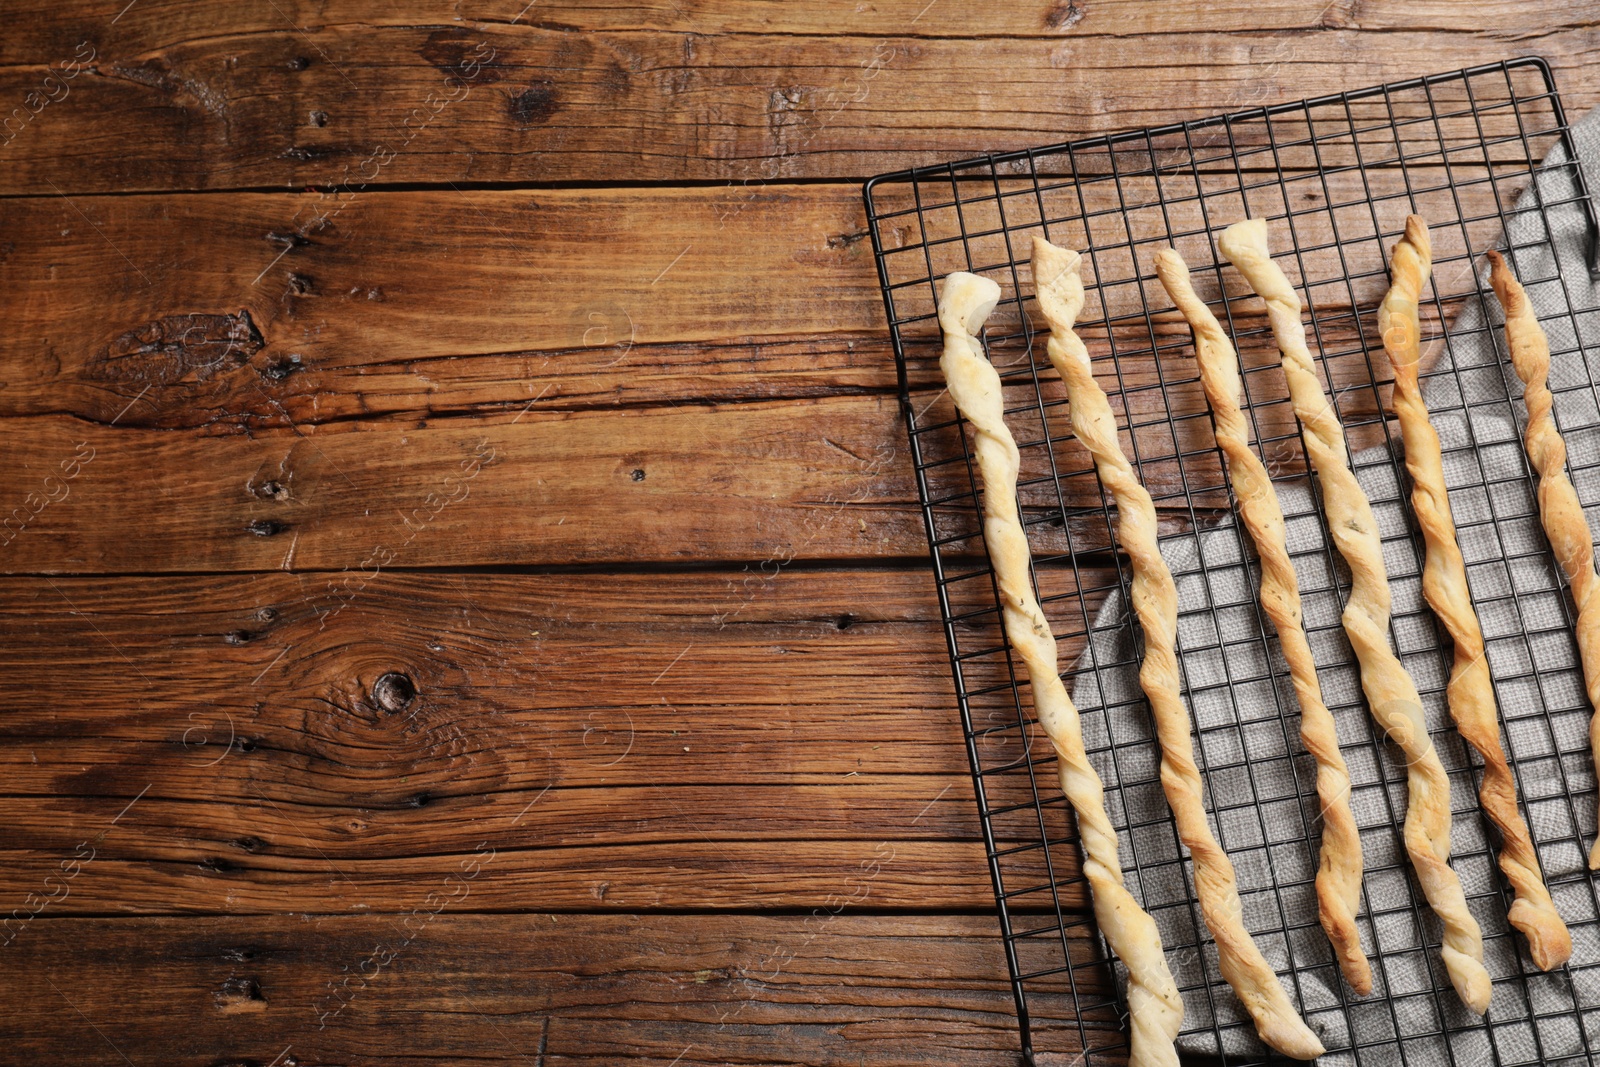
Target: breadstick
[[1559, 507], [1339, 872], [1155, 601], [1444, 584], [1155, 1007], [1391, 695]]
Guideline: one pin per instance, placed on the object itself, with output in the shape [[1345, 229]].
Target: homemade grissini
[[1155, 1007], [1391, 695], [1444, 584], [1155, 602], [1559, 508], [1339, 867]]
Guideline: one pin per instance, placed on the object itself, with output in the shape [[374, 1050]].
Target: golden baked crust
[[1559, 508], [1444, 584], [1155, 1008], [1391, 695], [1155, 602], [1339, 868]]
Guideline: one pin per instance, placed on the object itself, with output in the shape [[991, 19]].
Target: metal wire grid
[[1335, 176]]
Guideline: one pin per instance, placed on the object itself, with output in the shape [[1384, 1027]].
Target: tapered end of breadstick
[[1525, 338], [1549, 942], [1058, 281], [1174, 275], [1416, 236], [1218, 362], [1594, 856], [965, 302], [1172, 270], [1243, 238], [1506, 286], [1470, 979], [1338, 919], [1294, 1039], [1410, 263], [1244, 244], [1356, 970]]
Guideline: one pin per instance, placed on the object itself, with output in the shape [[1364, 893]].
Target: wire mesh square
[[1335, 176]]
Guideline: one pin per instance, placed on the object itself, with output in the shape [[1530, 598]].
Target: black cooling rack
[[1335, 176]]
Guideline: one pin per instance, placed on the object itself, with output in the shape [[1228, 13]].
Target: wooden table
[[465, 597]]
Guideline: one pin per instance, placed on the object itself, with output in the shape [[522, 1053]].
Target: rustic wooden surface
[[472, 605]]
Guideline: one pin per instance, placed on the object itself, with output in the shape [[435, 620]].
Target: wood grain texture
[[236, 312], [424, 988], [156, 23], [272, 763], [321, 309], [547, 489], [320, 96]]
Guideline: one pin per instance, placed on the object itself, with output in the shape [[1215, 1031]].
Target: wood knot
[[175, 347], [1063, 15], [281, 367], [393, 692], [240, 995], [460, 55], [535, 105], [1340, 15], [265, 527]]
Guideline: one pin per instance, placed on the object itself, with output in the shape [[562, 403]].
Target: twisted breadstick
[[1339, 872], [1155, 1008], [1155, 601], [1444, 584], [1559, 507], [1391, 696]]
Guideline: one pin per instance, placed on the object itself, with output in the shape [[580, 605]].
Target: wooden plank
[[155, 24], [219, 311], [756, 735], [349, 103], [820, 479], [205, 877], [427, 988], [373, 821]]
